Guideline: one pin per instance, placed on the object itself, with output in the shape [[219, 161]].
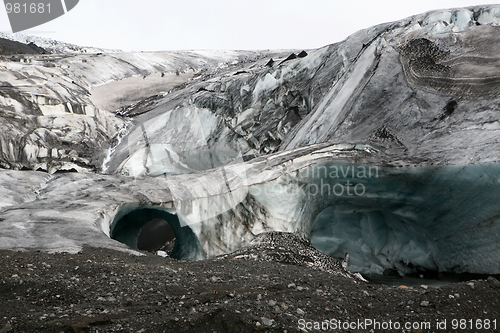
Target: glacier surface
[[383, 146]]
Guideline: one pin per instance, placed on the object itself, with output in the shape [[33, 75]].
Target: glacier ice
[[383, 146], [407, 220]]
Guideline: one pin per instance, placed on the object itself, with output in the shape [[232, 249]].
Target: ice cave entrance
[[152, 229], [375, 239]]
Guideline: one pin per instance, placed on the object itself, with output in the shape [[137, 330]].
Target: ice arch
[[130, 220]]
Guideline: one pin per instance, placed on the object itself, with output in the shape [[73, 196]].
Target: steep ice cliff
[[384, 146]]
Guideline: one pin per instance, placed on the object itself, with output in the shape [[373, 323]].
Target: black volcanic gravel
[[101, 290]]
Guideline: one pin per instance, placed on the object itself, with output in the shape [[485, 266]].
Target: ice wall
[[419, 218], [416, 218]]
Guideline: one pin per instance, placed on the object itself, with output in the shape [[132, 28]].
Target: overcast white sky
[[155, 25]]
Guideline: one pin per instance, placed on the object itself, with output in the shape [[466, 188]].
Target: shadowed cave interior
[[376, 237], [156, 235], [152, 229]]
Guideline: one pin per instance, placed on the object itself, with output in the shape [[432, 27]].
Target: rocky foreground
[[101, 290]]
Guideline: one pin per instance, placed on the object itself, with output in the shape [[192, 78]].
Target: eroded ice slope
[[408, 86], [58, 110]]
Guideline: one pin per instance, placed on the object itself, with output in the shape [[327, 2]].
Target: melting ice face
[[415, 219], [375, 239]]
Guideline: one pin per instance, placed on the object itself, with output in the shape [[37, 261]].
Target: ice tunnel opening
[[151, 229], [376, 240], [155, 235]]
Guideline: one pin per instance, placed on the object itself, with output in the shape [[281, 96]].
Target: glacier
[[383, 146]]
